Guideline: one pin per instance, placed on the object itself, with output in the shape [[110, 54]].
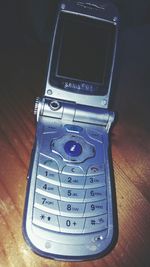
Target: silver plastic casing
[[63, 114], [102, 11]]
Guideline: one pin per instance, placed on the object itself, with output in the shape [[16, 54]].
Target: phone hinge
[[92, 115], [73, 112]]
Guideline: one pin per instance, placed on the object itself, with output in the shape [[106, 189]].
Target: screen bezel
[[75, 85]]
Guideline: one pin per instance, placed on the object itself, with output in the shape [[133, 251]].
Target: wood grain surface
[[21, 75]]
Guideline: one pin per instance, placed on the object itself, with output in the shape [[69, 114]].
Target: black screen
[[84, 48]]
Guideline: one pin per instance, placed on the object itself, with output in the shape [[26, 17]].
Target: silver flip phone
[[70, 205]]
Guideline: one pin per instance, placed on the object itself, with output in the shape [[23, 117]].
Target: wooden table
[[21, 74]]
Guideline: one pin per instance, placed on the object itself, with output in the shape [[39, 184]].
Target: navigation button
[[73, 148], [76, 148]]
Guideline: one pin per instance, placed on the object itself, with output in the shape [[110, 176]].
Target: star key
[[42, 217]]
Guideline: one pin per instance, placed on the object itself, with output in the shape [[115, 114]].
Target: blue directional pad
[[73, 149]]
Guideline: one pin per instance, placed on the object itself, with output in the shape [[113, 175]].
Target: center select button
[[73, 149]]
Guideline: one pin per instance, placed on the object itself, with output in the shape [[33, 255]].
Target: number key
[[46, 204], [71, 225], [95, 181], [47, 189], [44, 174], [95, 208], [95, 194], [72, 181], [75, 195], [71, 209]]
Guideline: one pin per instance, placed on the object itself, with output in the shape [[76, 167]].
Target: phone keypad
[[68, 197], [68, 209]]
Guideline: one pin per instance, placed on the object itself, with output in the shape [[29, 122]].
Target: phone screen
[[83, 52], [84, 49]]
